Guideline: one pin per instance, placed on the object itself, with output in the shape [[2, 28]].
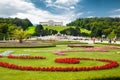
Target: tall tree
[[20, 34], [39, 30]]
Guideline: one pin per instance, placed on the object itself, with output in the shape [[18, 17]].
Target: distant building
[[51, 23]]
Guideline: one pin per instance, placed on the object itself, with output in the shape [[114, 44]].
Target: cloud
[[90, 16], [117, 10], [67, 2], [115, 13], [72, 7], [48, 1], [62, 4], [8, 7], [26, 9]]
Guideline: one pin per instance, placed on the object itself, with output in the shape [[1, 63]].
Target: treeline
[[8, 25], [110, 27], [23, 23], [41, 31]]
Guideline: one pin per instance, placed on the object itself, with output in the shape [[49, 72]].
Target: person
[[93, 40]]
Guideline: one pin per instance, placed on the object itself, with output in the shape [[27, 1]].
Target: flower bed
[[111, 47], [62, 52], [25, 57], [67, 60], [0, 56], [59, 53], [95, 50], [109, 64]]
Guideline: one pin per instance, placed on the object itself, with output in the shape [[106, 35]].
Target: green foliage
[[31, 30], [112, 35], [5, 30], [71, 31], [98, 26], [39, 30], [63, 29], [24, 23], [20, 34], [8, 25]]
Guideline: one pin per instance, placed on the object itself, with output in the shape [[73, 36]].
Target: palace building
[[51, 23]]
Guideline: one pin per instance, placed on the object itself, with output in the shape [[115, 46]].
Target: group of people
[[109, 41]]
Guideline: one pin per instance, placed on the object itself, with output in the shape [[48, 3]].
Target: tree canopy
[[98, 26], [8, 25]]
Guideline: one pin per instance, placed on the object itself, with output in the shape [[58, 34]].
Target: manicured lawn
[[60, 28], [10, 74], [31, 29]]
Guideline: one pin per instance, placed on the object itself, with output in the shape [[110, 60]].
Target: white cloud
[[72, 7], [67, 2], [90, 16], [115, 15], [117, 10], [8, 7], [62, 4], [24, 9], [48, 1]]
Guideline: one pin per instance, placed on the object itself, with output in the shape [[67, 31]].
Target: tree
[[39, 30], [98, 26], [20, 34], [71, 31], [112, 35], [3, 30]]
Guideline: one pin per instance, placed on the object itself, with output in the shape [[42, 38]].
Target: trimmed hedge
[[44, 46], [79, 45]]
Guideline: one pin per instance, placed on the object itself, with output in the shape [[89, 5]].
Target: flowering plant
[[109, 64]]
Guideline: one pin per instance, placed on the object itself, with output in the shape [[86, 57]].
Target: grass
[[49, 61], [31, 29], [60, 28]]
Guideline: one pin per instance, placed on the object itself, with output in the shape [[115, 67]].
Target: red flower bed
[[110, 64], [67, 60], [0, 56], [25, 57]]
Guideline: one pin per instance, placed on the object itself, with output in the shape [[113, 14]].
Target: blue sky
[[59, 10]]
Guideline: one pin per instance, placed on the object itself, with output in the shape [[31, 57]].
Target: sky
[[59, 10]]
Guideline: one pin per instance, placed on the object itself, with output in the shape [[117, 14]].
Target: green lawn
[[60, 28], [49, 61], [31, 29]]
